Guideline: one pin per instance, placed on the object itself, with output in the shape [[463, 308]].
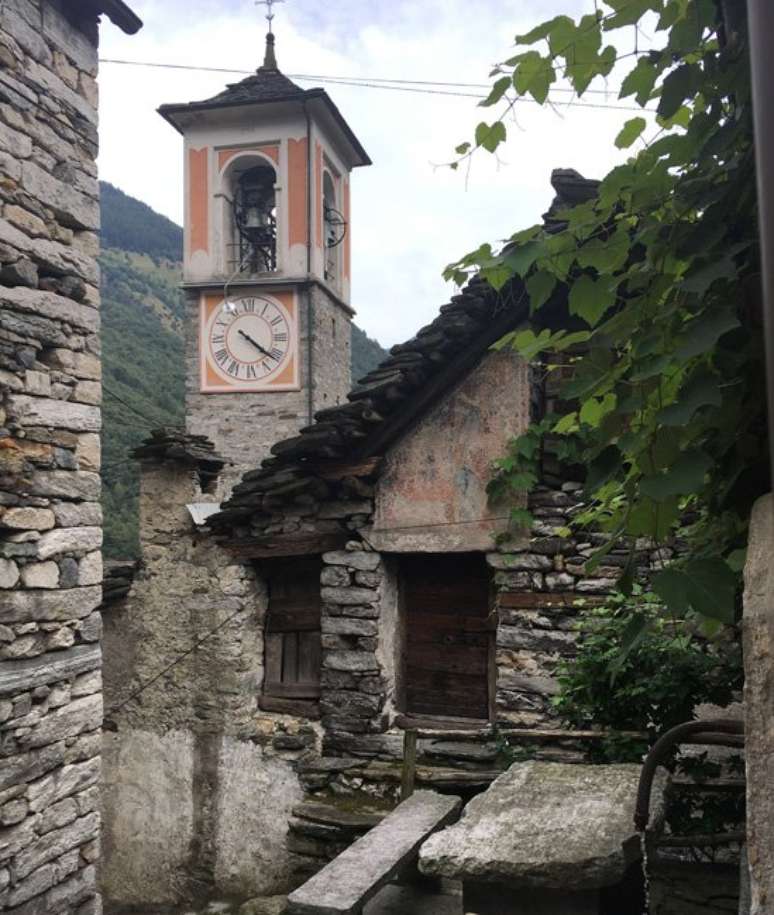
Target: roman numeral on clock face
[[280, 338]]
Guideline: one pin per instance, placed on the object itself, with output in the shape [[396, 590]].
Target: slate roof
[[169, 443], [268, 85], [402, 388]]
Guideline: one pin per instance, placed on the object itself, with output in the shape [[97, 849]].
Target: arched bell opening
[[334, 230], [252, 248]]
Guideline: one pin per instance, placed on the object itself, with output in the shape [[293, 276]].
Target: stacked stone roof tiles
[[169, 443]]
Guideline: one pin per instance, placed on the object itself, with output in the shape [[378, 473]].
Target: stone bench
[[345, 885]]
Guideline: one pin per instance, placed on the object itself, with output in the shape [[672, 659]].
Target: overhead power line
[[421, 87], [324, 76]]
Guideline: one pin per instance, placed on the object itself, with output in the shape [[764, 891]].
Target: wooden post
[[409, 764]]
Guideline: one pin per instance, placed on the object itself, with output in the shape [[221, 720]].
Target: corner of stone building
[[758, 648], [198, 788], [50, 517]]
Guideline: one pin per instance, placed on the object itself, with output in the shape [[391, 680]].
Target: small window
[[292, 639], [449, 635]]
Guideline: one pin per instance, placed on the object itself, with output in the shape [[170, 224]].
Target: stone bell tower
[[267, 260]]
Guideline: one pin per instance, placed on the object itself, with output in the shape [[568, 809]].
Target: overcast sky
[[410, 217]]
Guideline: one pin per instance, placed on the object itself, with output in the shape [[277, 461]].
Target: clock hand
[[255, 343]]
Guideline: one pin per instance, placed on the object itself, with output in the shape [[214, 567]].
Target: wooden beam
[[409, 773], [286, 545]]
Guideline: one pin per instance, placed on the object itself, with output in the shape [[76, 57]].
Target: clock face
[[250, 346]]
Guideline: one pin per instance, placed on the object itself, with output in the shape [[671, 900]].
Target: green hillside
[[142, 347]]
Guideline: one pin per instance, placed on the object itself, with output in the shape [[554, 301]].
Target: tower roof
[[268, 85]]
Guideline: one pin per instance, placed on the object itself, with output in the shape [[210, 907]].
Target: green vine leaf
[[498, 91], [631, 130], [703, 332], [706, 586], [701, 390], [678, 86], [590, 299], [684, 477], [640, 82], [540, 285], [490, 136], [534, 75]]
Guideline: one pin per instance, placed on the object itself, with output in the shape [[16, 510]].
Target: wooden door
[[449, 635]]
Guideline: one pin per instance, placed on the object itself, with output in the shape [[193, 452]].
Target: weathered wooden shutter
[[292, 637], [448, 635]]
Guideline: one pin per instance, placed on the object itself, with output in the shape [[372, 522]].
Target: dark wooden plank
[[300, 619], [309, 657], [286, 545], [452, 699], [409, 772], [442, 605], [273, 658], [435, 635], [289, 658], [445, 726], [424, 705], [469, 660]]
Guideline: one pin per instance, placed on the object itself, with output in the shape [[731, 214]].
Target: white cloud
[[410, 218]]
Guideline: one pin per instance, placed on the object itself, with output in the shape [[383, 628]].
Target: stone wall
[[243, 427], [197, 785], [50, 519], [542, 583]]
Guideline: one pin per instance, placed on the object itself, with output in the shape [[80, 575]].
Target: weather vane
[[269, 11]]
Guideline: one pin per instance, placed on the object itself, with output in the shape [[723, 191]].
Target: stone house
[[270, 657], [50, 517]]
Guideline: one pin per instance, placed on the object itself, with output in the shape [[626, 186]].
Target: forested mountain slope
[[142, 345]]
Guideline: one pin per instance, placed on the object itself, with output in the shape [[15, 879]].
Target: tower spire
[[269, 58]]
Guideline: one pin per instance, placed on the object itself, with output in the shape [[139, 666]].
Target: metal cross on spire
[[269, 4]]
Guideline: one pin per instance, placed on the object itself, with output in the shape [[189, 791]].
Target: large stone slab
[[548, 825], [356, 875]]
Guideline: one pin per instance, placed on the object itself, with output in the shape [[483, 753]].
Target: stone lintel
[[52, 667]]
